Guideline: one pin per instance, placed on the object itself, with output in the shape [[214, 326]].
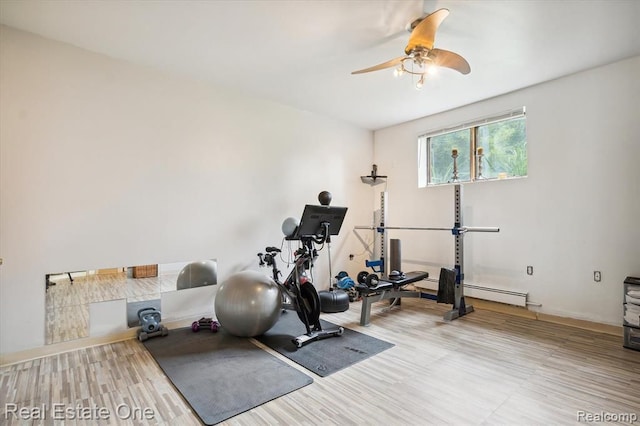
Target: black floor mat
[[325, 356], [222, 375]]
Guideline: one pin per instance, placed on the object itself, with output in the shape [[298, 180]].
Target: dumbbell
[[370, 280], [205, 323]]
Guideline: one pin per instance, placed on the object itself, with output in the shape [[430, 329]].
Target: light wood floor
[[485, 368]]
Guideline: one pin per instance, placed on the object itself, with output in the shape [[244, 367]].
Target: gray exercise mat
[[221, 375], [326, 356]]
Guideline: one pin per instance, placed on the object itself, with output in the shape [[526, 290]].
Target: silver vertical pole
[[384, 236], [459, 307], [459, 247]]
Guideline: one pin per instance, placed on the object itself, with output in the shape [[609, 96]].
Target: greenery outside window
[[487, 149]]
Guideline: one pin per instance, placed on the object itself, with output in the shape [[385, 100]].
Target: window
[[492, 148]]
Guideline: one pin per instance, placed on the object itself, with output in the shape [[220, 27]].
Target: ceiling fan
[[420, 56]]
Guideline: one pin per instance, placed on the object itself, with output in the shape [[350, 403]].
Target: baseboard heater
[[494, 294]]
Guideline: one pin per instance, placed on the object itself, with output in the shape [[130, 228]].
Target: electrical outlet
[[529, 270], [597, 276], [351, 257]]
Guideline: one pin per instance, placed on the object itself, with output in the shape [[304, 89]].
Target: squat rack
[[460, 308]]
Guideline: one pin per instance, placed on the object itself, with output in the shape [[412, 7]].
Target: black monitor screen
[[314, 216]]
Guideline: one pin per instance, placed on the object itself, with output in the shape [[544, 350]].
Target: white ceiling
[[301, 53]]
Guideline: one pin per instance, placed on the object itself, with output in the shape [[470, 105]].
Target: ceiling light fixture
[[418, 63], [421, 58]]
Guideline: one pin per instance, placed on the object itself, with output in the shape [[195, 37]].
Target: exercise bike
[[298, 291]]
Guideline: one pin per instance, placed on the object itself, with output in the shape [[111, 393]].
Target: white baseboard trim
[[478, 291]]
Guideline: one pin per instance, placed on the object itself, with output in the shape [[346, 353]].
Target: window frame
[[424, 144]]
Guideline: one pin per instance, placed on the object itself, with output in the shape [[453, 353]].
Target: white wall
[[104, 163], [577, 211]]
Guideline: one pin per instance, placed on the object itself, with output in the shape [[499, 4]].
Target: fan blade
[[424, 33], [445, 58], [388, 64]]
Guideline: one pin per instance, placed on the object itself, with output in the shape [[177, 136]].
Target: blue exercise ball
[[248, 304], [198, 274]]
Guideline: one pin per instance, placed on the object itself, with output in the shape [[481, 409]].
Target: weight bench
[[389, 288]]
